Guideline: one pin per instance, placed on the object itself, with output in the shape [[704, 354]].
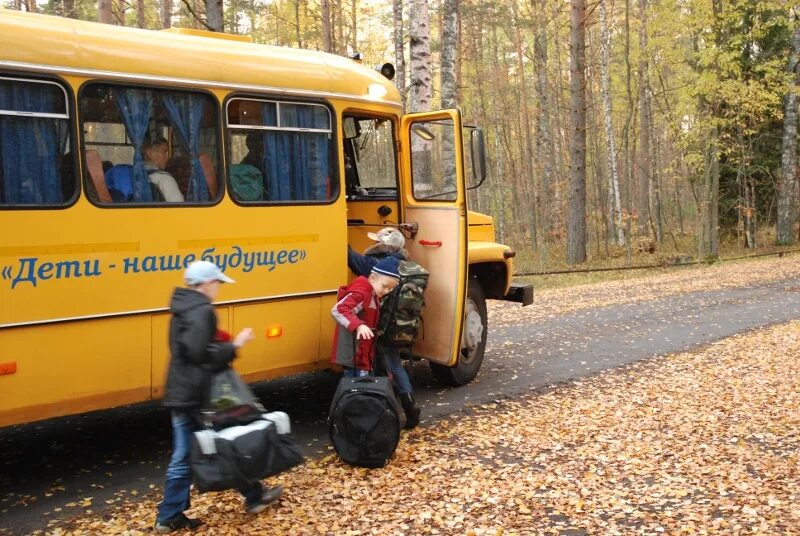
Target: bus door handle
[[434, 243]]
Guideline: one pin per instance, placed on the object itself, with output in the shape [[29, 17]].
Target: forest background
[[616, 129]]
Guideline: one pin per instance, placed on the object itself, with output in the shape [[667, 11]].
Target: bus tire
[[473, 341]]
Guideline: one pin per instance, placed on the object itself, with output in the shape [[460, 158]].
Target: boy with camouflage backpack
[[398, 327], [400, 318]]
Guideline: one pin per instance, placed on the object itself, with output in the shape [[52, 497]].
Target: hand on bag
[[363, 332], [243, 337]]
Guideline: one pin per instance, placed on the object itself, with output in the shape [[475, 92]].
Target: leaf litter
[[702, 442]]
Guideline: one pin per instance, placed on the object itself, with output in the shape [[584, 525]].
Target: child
[[356, 312], [197, 347], [390, 243]]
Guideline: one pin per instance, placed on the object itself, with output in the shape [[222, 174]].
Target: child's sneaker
[[269, 496], [178, 522]]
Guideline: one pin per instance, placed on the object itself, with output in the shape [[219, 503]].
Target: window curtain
[[296, 163], [186, 113], [135, 107], [30, 149]]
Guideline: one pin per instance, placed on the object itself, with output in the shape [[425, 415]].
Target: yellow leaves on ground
[[706, 442]]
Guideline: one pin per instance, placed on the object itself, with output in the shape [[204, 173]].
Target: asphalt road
[[49, 469]]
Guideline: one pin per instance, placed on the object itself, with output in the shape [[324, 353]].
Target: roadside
[[643, 286], [705, 441]]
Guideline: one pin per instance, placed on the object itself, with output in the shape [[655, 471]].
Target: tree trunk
[[298, 34], [214, 15], [69, 9], [787, 181], [576, 223], [399, 54], [104, 12], [544, 135], [140, 21], [419, 39], [626, 137], [325, 8], [166, 13], [354, 26], [341, 45], [449, 85], [643, 159], [614, 209]]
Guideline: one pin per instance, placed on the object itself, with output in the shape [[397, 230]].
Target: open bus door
[[433, 195]]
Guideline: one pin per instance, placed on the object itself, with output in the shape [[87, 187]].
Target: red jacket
[[356, 304]]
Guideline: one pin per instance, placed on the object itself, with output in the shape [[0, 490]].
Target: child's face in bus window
[[158, 155], [382, 284]]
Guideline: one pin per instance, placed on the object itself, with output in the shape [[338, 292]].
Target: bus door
[[434, 201]]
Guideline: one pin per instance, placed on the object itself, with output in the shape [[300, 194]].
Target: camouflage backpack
[[401, 309]]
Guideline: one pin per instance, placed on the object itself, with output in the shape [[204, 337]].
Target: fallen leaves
[[694, 443]]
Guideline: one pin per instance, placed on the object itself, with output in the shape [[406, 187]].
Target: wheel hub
[[473, 331]]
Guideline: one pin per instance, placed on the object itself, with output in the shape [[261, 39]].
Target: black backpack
[[401, 310], [364, 421]]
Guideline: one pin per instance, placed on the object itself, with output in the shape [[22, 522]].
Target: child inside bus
[[390, 244], [356, 312], [156, 155]]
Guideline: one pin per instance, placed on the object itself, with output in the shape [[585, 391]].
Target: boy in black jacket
[[196, 353]]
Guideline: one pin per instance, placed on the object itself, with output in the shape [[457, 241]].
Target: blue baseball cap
[[204, 271]]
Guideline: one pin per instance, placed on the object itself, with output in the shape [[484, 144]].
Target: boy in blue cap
[[356, 311]]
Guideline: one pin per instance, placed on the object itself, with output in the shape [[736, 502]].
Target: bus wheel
[[473, 341]]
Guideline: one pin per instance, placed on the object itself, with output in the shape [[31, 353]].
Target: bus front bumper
[[520, 293]]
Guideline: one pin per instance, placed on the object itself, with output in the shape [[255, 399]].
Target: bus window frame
[[278, 98], [137, 84], [356, 112], [72, 127]]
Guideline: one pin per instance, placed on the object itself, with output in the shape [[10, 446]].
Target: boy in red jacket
[[356, 312]]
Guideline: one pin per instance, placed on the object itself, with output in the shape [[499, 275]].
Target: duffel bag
[[239, 455], [364, 421]]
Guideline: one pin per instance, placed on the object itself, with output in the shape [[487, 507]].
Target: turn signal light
[[8, 368], [274, 331]]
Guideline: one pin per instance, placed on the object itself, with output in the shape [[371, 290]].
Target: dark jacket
[[195, 355], [356, 304], [363, 264]]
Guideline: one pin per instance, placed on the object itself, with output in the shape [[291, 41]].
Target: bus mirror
[[387, 70], [351, 128], [478, 154]]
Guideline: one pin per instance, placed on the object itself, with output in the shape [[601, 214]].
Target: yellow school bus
[[272, 162]]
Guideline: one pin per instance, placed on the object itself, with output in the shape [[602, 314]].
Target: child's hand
[[363, 332], [242, 337]]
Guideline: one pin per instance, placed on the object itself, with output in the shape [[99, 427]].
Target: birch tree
[[614, 210], [166, 13], [643, 148], [325, 13], [104, 12], [399, 54], [449, 85], [420, 87]]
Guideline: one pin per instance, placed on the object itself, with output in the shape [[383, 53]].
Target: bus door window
[[36, 161], [369, 153], [127, 126], [280, 152], [433, 161]]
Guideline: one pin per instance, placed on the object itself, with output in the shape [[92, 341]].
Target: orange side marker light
[[8, 368], [274, 332]]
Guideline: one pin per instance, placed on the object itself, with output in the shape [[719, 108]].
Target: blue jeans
[[352, 372], [395, 363], [179, 471]]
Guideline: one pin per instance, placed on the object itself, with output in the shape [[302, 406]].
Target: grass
[[551, 257]]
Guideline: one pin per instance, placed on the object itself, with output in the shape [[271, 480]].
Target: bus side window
[[288, 144], [35, 158], [163, 142]]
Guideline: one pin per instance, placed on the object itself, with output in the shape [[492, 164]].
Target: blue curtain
[[30, 148], [135, 107], [296, 163], [186, 113]]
